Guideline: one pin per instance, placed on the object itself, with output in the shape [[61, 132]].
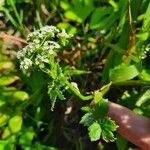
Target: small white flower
[[21, 54], [47, 30], [147, 49], [103, 31], [50, 29], [25, 64], [63, 34], [41, 46], [36, 41], [32, 35], [41, 58], [31, 48], [51, 52], [143, 57], [52, 45], [40, 35]]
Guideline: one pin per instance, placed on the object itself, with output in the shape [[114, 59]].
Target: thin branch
[[13, 38]]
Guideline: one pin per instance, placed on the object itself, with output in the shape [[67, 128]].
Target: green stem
[[39, 19], [77, 92], [132, 82]]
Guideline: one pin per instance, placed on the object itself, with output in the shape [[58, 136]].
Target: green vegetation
[[61, 61]]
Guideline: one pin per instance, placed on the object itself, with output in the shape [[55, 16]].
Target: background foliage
[[111, 43]]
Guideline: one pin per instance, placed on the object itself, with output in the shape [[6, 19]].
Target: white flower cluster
[[144, 50], [29, 49], [42, 44], [49, 31]]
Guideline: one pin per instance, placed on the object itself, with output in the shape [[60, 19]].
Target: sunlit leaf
[[123, 73], [6, 145], [94, 131], [15, 124], [6, 133], [20, 95], [7, 80], [145, 74], [113, 4], [76, 14], [97, 97], [143, 36], [64, 5], [145, 97], [68, 27], [138, 111], [3, 119], [27, 136]]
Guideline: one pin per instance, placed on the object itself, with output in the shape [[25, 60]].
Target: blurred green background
[[111, 43]]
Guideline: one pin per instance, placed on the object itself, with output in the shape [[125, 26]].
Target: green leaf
[[15, 124], [123, 73], [145, 74], [146, 21], [143, 36], [105, 23], [108, 136], [97, 96], [87, 119], [100, 109], [68, 27], [39, 146], [2, 102], [144, 98], [27, 136], [3, 119], [3, 143], [6, 145], [64, 5], [89, 3], [6, 133], [36, 76], [20, 95], [86, 108], [108, 126], [76, 14], [98, 15], [121, 143], [135, 8], [7, 80], [113, 4], [122, 14], [107, 66], [94, 131], [138, 111]]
